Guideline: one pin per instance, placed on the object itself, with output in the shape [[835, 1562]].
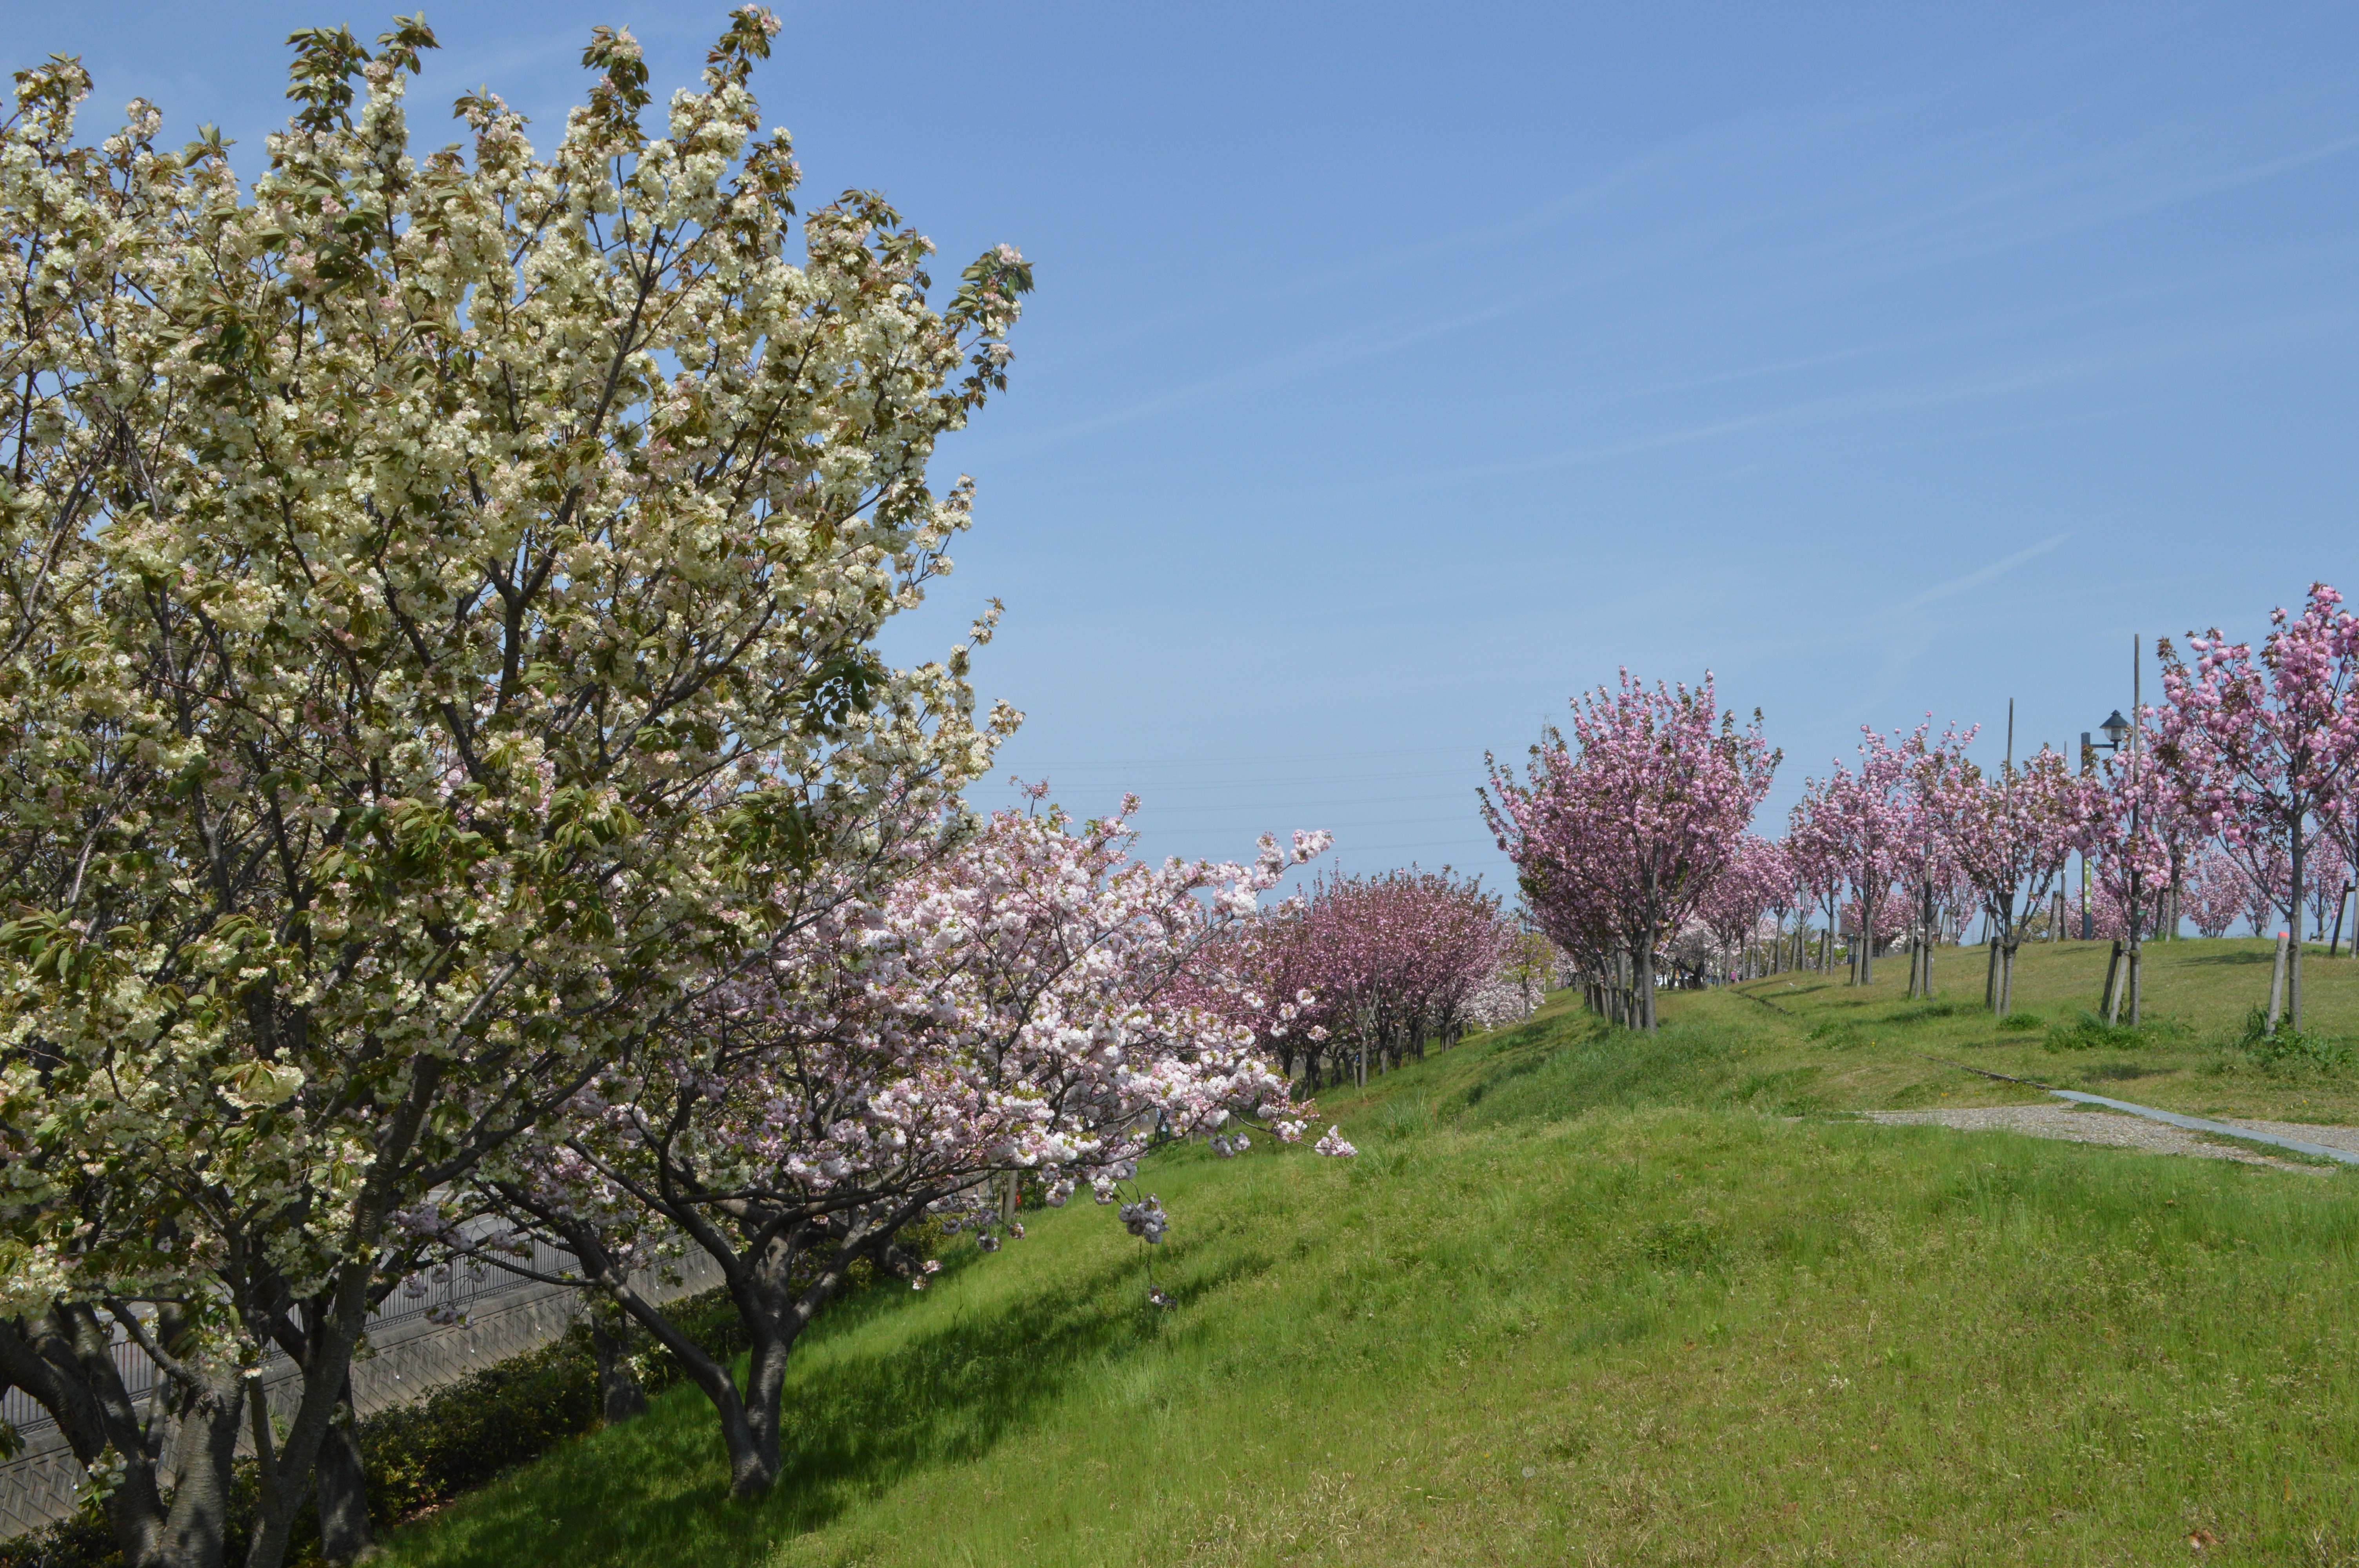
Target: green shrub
[[2022, 1022], [2089, 1033], [452, 1441], [2288, 1046]]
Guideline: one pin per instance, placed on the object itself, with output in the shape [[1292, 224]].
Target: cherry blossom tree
[[2216, 892], [2012, 835], [2139, 835], [2257, 747], [1873, 829], [1012, 1010], [1256, 974], [2328, 874], [1617, 843], [446, 595], [2141, 806], [2267, 883], [1730, 915], [1394, 961], [1812, 850], [2338, 822], [1519, 983], [1928, 859]]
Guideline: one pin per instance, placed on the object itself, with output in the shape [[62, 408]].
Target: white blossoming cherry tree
[[1011, 1012], [441, 593]]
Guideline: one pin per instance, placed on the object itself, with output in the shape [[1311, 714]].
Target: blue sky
[[1396, 371]]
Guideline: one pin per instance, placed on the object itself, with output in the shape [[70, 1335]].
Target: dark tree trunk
[[338, 1478], [1866, 938], [772, 1309], [620, 1397], [1646, 986], [341, 1490], [64, 1359]]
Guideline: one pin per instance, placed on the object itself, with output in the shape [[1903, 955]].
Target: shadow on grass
[[855, 1425], [950, 1395]]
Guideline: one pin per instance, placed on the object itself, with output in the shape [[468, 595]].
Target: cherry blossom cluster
[[1370, 970], [2262, 749], [1518, 985], [1621, 831], [2215, 893], [1024, 1007]]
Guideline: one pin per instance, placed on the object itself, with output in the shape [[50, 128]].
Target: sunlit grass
[[1583, 1297]]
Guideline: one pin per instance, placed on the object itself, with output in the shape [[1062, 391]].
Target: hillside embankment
[[1587, 1296]]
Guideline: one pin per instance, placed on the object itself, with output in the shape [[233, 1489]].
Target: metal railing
[[459, 1287]]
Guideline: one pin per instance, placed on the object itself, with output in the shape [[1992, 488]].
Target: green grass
[[1863, 1047], [1586, 1297]]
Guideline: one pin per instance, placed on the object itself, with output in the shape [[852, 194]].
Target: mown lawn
[[1587, 1298]]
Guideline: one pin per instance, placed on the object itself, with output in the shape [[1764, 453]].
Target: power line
[[1150, 812], [1281, 757], [1132, 781]]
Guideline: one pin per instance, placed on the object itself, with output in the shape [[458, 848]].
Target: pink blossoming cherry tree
[[1618, 836], [1012, 1010], [2260, 746]]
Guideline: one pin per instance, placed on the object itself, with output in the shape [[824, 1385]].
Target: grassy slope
[[1585, 1297]]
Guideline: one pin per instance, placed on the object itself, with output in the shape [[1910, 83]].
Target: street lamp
[[2115, 726]]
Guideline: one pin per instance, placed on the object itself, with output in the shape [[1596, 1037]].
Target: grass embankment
[[1590, 1298]]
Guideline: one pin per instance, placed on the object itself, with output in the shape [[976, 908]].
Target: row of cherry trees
[[2237, 795], [1363, 973]]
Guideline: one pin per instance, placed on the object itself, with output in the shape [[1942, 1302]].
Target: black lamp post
[[2115, 726]]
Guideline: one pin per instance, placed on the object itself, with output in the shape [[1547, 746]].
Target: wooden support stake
[[2109, 1002], [2277, 986]]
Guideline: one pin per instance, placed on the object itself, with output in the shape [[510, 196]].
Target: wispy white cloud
[[1974, 580]]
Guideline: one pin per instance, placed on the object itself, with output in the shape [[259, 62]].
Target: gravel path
[[2091, 1125]]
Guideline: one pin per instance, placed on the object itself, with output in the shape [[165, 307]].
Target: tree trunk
[[64, 1359], [2293, 974], [1646, 986], [339, 1476], [331, 1342], [340, 1495], [620, 1397]]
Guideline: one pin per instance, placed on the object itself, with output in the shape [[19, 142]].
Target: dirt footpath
[[2094, 1124]]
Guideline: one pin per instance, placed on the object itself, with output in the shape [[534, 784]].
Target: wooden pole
[[2277, 986], [2339, 904], [2109, 1002], [2137, 730]]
